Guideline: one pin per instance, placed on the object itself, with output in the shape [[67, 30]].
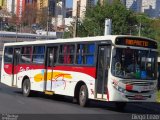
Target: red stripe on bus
[[8, 68], [91, 71]]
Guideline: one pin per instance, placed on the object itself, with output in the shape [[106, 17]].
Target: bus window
[[26, 54], [143, 63], [66, 55], [85, 54], [38, 54], [90, 57], [8, 55]]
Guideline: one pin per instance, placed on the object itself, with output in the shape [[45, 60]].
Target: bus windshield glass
[[134, 64]]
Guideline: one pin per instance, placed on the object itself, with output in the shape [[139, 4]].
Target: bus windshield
[[134, 64]]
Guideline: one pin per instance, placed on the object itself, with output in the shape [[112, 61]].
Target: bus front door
[[51, 59], [15, 65], [103, 62]]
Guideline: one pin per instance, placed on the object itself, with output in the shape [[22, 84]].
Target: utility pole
[[108, 24], [1, 22], [63, 13], [16, 32], [56, 14], [139, 29], [76, 19], [47, 19], [75, 27]]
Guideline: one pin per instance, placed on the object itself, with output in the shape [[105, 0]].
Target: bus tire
[[26, 88], [83, 96], [120, 106]]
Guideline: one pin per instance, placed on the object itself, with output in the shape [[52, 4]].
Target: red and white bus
[[115, 68]]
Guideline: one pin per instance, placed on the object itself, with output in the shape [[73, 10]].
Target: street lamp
[[139, 28]]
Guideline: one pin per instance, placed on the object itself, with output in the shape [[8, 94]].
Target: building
[[79, 7], [151, 8], [148, 4], [19, 6], [68, 12], [42, 4], [55, 9], [11, 6], [134, 5], [3, 4]]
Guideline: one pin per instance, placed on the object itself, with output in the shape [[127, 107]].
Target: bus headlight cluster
[[120, 89]]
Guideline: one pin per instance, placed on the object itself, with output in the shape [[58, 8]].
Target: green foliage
[[67, 34], [94, 20], [10, 28], [144, 26]]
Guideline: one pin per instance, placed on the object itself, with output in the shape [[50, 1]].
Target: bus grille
[[132, 97], [139, 83]]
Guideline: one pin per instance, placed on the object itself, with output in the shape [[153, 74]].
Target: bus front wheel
[[83, 96], [26, 88]]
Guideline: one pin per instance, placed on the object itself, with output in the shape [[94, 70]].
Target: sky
[[69, 3]]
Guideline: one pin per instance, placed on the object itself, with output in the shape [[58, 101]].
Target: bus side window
[[79, 54], [8, 55], [38, 54], [66, 54], [90, 57], [26, 55], [85, 54]]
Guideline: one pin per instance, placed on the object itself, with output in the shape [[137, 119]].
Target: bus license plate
[[138, 97]]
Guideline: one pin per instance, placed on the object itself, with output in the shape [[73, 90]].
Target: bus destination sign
[[138, 42]]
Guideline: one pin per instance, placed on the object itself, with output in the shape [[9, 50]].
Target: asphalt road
[[12, 101]]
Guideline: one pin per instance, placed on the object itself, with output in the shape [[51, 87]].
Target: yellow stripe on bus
[[55, 75]]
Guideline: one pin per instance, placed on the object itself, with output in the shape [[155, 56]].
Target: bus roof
[[77, 39]]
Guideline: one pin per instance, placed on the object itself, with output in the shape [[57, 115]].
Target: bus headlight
[[120, 89]]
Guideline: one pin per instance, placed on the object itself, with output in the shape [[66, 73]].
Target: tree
[[144, 26], [12, 23], [156, 27], [93, 23], [43, 17], [29, 15]]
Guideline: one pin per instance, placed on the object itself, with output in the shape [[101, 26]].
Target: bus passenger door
[[51, 59], [103, 62], [15, 65]]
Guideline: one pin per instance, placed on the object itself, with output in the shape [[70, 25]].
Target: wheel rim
[[82, 95], [26, 88]]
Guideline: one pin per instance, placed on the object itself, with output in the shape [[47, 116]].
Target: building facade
[[134, 5], [151, 8], [3, 4], [11, 6], [80, 6]]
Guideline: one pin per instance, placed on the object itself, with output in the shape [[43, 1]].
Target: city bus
[[89, 68]]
